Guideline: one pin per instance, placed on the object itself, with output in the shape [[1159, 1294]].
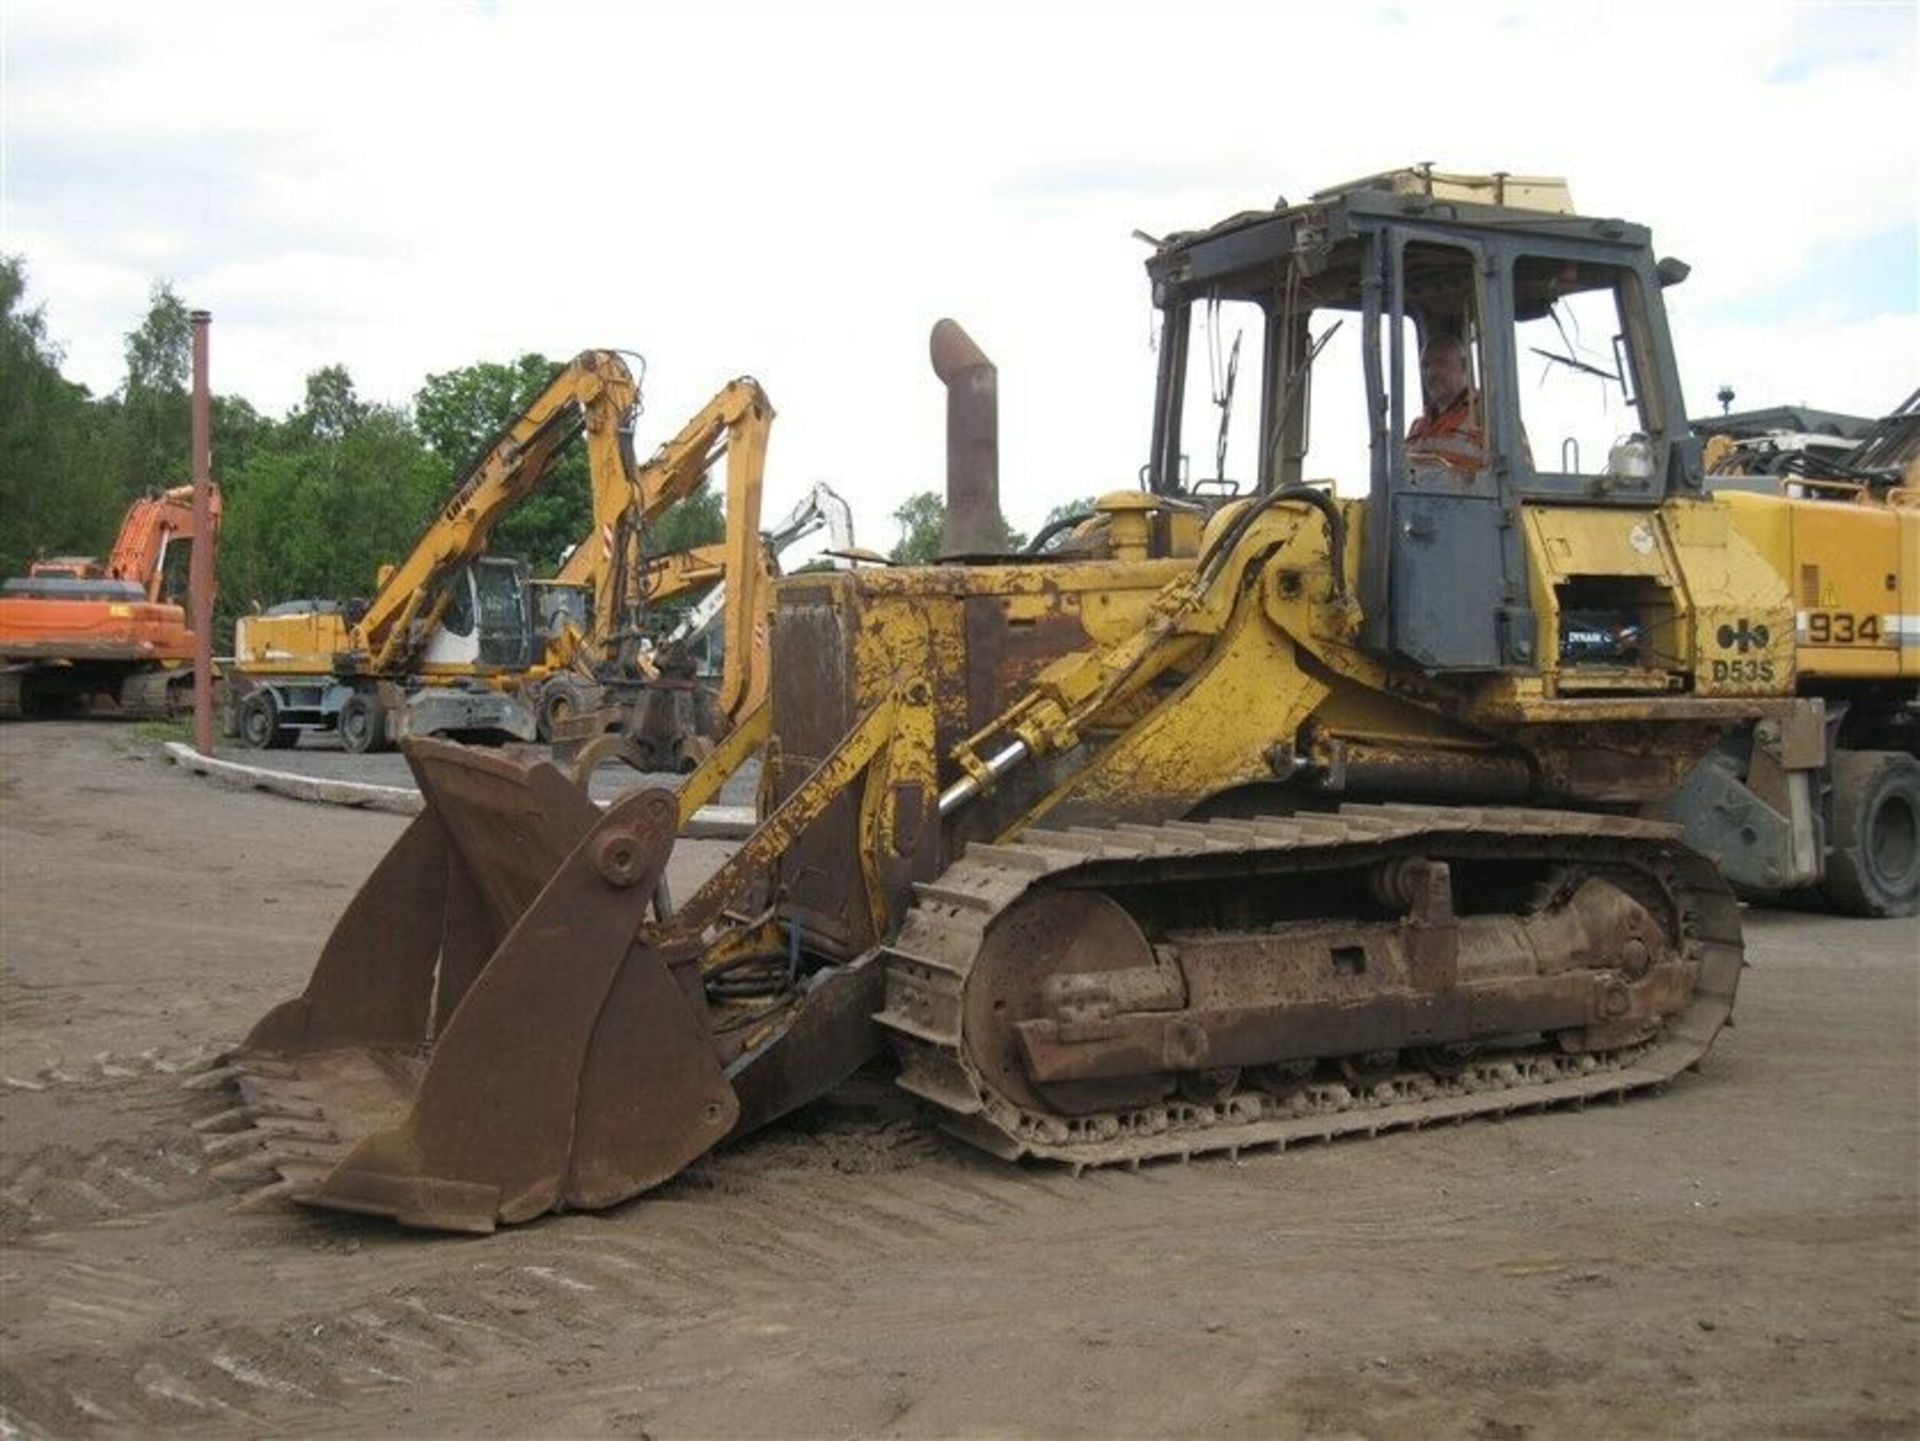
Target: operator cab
[[489, 617], [1291, 345]]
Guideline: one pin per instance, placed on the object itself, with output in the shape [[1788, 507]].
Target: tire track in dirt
[[759, 1224], [158, 1166], [774, 1218]]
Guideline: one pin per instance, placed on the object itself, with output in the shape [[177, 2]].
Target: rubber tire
[[562, 698], [1874, 866], [362, 724], [558, 701], [260, 727]]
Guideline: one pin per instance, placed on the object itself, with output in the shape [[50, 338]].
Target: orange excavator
[[76, 631]]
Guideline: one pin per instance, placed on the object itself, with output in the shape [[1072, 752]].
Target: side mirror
[[1671, 271]]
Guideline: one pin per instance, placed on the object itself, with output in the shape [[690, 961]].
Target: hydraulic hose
[[1048, 532], [1218, 552]]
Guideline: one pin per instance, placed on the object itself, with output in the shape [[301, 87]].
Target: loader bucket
[[486, 1035]]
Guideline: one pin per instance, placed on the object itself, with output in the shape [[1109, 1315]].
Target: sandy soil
[[1739, 1255]]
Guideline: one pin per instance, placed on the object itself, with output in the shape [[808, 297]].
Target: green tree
[[698, 519], [154, 409], [238, 429], [59, 480], [461, 412], [332, 409], [321, 501], [921, 519]]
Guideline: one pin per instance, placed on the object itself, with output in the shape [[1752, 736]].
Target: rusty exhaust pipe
[[974, 524], [200, 559]]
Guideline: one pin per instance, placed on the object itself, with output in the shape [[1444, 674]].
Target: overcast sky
[[798, 191]]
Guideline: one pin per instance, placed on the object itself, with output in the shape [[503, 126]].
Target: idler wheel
[[1042, 960]]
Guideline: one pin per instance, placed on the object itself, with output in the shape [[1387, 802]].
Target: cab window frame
[[1537, 465]]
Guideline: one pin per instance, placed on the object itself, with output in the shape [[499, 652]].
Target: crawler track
[[144, 692], [931, 962], [156, 694]]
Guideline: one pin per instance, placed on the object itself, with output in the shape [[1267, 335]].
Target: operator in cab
[[1450, 430]]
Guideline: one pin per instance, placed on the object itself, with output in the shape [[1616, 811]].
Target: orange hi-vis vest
[[1452, 436]]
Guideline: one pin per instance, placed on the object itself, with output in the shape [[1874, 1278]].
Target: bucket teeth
[[232, 1143], [276, 1127], [292, 1157], [234, 1118], [391, 1085], [256, 1167], [270, 1196], [211, 1079], [279, 1106], [271, 1158]]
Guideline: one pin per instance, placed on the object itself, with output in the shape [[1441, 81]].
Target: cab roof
[[1249, 252]]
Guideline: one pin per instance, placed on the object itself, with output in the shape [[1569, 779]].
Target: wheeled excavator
[[76, 629], [449, 636], [1297, 801], [1830, 802], [453, 641]]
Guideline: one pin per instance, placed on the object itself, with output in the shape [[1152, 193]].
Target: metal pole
[[200, 567]]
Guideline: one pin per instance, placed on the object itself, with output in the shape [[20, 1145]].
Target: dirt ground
[[1738, 1255]]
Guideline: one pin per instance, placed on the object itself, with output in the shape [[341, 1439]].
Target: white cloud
[[801, 191]]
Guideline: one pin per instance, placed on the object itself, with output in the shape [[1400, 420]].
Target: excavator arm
[[666, 577], [733, 426], [152, 523], [628, 502], [594, 392], [617, 501]]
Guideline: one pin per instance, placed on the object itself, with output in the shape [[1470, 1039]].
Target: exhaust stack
[[974, 524]]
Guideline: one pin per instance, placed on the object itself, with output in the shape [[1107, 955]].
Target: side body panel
[[1853, 570]]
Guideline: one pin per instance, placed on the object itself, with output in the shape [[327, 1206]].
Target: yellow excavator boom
[[596, 392]]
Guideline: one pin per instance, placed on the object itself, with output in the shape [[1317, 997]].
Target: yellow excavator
[[1831, 802], [449, 637], [604, 674], [1299, 800], [459, 642], [727, 611]]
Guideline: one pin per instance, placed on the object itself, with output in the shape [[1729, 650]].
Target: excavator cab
[[489, 619]]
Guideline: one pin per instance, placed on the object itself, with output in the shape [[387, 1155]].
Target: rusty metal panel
[[814, 706], [1009, 639]]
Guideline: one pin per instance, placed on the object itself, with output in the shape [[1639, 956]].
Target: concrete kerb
[[401, 800], [708, 823]]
